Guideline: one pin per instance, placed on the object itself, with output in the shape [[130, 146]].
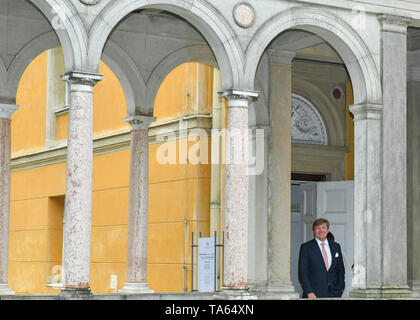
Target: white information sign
[[206, 265]]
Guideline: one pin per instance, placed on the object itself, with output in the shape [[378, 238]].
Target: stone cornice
[[394, 23], [231, 94], [281, 57], [82, 78], [6, 110], [114, 143], [366, 111]]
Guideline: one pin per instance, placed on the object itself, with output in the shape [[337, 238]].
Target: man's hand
[[311, 295]]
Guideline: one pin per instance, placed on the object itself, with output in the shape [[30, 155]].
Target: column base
[[381, 293], [75, 293], [232, 293], [5, 290], [136, 288], [415, 289], [283, 292]]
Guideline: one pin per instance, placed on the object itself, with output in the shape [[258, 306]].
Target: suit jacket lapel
[[318, 253], [333, 250]]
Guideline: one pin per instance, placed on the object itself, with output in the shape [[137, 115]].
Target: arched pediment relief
[[307, 124]]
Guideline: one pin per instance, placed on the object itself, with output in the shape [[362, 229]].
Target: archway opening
[[310, 92]]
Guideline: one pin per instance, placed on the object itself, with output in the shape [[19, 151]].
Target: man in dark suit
[[321, 267]]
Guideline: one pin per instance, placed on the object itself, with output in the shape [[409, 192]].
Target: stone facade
[[253, 48]]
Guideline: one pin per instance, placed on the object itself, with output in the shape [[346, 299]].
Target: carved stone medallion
[[90, 2], [307, 124], [244, 14]]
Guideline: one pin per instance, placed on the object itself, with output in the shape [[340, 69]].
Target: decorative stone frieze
[[307, 124]]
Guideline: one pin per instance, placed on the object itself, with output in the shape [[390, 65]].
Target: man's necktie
[[324, 254]]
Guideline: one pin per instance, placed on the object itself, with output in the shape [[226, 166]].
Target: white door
[[308, 198], [335, 203]]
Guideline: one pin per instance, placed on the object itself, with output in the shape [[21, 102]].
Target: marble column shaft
[[236, 190], [138, 205], [78, 201], [6, 111], [279, 216], [394, 187]]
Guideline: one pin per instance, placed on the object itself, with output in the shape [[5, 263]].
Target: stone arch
[[258, 110], [341, 36], [3, 77], [199, 13], [199, 53], [128, 75], [25, 57], [68, 25]]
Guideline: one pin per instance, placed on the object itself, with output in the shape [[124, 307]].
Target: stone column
[[236, 190], [6, 111], [279, 174], [394, 158], [136, 281], [413, 181], [367, 276], [78, 201]]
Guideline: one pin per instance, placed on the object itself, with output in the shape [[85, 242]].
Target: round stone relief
[[89, 2], [307, 124], [244, 14]]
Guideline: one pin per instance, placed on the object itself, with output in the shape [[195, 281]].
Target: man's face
[[321, 231]]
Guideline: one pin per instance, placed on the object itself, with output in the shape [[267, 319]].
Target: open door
[[335, 202], [308, 198], [329, 200]]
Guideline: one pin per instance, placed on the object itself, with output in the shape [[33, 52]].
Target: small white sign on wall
[[206, 263]]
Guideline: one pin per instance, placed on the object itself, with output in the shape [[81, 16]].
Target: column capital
[[280, 57], [366, 111], [6, 110], [238, 94], [394, 23], [82, 78], [139, 122]]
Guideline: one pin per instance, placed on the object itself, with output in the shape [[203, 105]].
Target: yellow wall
[[37, 195], [28, 128], [109, 107], [177, 98], [349, 133]]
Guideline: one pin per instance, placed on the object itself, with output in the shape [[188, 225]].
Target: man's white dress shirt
[[327, 249]]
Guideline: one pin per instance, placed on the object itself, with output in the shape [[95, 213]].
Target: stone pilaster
[[394, 127], [6, 111], [236, 190], [367, 276], [136, 282], [413, 182], [381, 243], [279, 173], [78, 201]]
